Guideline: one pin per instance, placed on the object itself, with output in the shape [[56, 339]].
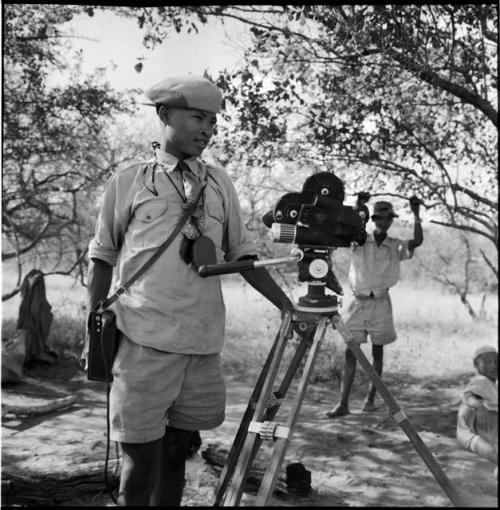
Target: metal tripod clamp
[[399, 417], [273, 400], [269, 430]]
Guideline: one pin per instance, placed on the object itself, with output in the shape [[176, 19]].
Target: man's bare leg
[[169, 484], [348, 374], [140, 464], [378, 362]]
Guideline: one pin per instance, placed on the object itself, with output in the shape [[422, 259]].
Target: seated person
[[477, 421]]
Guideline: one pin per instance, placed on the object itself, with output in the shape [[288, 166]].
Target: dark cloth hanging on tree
[[35, 317]]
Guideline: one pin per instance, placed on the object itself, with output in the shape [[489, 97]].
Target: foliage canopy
[[55, 148]]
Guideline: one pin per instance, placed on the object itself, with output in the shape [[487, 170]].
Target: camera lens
[[283, 233]]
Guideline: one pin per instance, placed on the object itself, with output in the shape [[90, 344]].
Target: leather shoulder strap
[[124, 286]]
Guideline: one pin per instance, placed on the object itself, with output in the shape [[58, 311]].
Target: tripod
[[310, 318]]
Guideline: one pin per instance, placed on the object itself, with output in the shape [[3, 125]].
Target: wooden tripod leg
[[399, 416], [248, 450], [269, 415], [281, 443], [241, 434], [292, 369]]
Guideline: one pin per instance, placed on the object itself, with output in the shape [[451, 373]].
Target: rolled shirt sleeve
[[114, 216]]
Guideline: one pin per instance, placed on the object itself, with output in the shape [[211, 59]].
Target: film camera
[[316, 216], [317, 221]]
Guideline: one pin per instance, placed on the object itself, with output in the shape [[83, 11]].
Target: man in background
[[374, 269]]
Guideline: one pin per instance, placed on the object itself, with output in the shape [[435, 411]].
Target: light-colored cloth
[[170, 307], [374, 269], [371, 316], [152, 389], [485, 389], [468, 431]]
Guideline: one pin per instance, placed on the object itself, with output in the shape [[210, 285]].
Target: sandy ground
[[363, 459]]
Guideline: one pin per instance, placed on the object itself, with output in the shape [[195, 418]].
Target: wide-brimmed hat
[[189, 91], [383, 208]]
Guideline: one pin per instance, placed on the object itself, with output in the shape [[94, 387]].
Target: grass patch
[[436, 337], [66, 336]]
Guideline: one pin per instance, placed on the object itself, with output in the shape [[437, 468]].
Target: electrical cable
[[109, 489]]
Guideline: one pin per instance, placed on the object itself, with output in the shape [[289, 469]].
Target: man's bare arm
[[418, 234], [100, 275], [263, 282]]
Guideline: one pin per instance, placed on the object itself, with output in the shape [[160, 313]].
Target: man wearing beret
[[167, 379], [373, 271]]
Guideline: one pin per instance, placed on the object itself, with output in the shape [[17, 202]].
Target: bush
[[66, 336]]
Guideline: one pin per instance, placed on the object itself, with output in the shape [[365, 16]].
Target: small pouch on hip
[[198, 252]]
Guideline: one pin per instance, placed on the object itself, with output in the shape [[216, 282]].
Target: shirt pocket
[[216, 211], [148, 212], [149, 224]]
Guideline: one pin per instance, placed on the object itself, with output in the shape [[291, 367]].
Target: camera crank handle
[[229, 267], [246, 265]]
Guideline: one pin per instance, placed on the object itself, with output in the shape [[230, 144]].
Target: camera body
[[316, 216]]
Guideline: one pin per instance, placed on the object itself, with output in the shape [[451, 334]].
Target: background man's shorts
[[152, 389], [371, 316]]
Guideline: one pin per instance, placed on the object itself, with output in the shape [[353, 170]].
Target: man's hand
[[363, 198], [415, 204]]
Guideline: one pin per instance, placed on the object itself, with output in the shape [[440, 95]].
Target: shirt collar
[[169, 162], [371, 238]]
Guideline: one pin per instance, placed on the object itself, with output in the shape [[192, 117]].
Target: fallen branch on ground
[[42, 488], [33, 410]]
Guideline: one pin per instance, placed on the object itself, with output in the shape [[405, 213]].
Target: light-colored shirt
[[468, 428], [374, 269], [485, 389], [170, 307]]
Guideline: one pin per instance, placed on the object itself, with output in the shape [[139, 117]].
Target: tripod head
[[314, 267]]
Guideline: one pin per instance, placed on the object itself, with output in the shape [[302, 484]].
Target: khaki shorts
[[152, 389], [371, 316]]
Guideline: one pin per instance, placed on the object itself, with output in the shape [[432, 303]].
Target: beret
[[483, 350], [191, 92]]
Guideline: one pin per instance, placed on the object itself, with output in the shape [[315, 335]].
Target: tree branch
[[489, 262], [437, 81], [466, 228]]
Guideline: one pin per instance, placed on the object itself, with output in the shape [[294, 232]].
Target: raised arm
[[418, 235]]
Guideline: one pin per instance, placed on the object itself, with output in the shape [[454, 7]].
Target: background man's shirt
[[374, 269], [169, 307]]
